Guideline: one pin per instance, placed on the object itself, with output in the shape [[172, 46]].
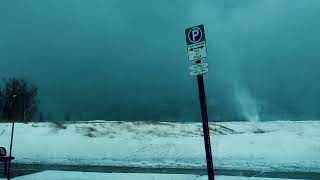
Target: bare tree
[[18, 100], [2, 102]]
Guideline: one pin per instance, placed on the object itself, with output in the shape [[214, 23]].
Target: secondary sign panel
[[196, 43], [198, 69]]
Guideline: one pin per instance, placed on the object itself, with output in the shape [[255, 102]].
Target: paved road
[[23, 169]]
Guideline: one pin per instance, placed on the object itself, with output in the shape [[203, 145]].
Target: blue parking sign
[[195, 34], [196, 43]]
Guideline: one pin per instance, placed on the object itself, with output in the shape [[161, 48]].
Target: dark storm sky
[[126, 60]]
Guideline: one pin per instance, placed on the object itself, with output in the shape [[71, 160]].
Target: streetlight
[[10, 154], [19, 102]]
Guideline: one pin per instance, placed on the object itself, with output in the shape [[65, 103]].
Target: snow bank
[[286, 145]]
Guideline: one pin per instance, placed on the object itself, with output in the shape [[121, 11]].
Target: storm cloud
[[126, 60]]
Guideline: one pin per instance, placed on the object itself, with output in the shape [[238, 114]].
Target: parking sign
[[196, 43]]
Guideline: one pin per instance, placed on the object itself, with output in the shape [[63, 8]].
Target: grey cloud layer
[[127, 59]]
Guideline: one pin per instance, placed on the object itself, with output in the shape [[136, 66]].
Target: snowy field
[[283, 145], [63, 175]]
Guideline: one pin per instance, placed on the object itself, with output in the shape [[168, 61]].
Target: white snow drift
[[283, 145], [64, 175]]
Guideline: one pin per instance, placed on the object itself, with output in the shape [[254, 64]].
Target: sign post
[[197, 51]]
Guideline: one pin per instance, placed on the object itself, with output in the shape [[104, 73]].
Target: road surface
[[24, 169]]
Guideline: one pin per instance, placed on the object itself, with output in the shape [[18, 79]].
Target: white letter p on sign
[[195, 34]]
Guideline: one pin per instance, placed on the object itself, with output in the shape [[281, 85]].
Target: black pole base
[[205, 125]]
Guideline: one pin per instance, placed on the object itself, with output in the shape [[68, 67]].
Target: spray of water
[[248, 105]]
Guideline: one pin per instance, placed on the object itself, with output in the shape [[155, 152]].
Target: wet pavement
[[24, 169]]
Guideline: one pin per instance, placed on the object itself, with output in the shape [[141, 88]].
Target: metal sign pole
[[10, 155], [205, 125], [197, 51]]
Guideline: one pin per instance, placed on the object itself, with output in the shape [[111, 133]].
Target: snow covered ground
[[282, 145], [63, 175]]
